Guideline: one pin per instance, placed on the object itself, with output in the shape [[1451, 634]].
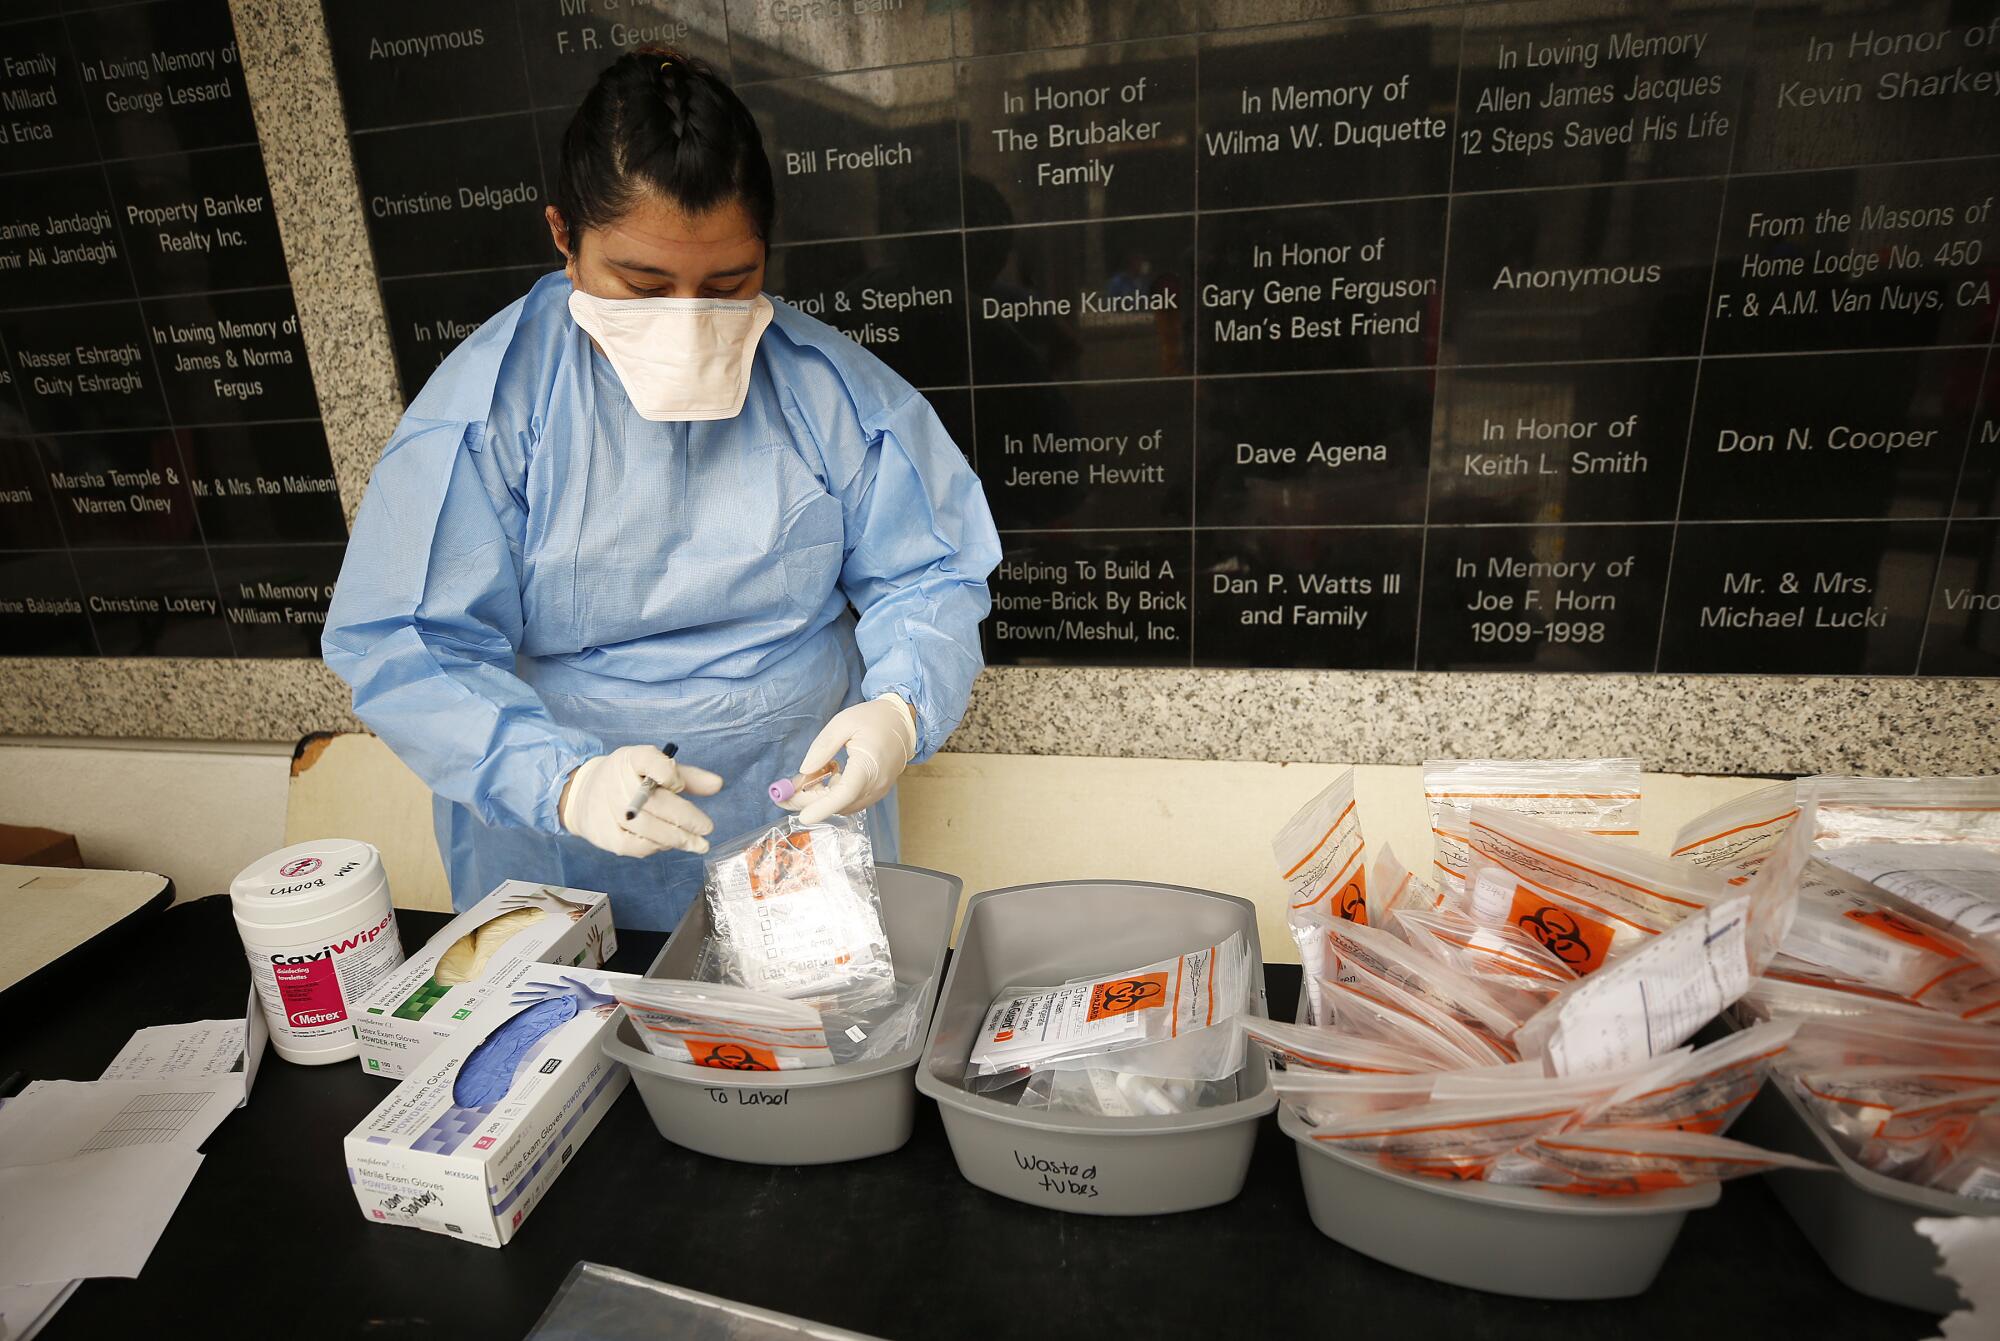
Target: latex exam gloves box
[[471, 1141], [422, 1003]]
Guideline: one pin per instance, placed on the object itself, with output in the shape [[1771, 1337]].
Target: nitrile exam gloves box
[[423, 1002], [473, 1138]]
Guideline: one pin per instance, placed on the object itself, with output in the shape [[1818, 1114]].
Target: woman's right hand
[[629, 802]]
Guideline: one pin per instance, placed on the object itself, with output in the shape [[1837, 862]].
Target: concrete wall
[[200, 813]]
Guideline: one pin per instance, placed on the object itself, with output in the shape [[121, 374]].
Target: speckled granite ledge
[[288, 69], [1698, 724], [1685, 724]]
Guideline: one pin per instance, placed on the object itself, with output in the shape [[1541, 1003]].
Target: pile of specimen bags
[[1524, 1017]]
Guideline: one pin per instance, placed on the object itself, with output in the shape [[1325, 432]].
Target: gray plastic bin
[[1506, 1240], [1862, 1224], [1047, 934], [820, 1116]]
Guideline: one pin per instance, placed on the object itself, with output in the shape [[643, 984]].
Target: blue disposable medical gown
[[539, 575]]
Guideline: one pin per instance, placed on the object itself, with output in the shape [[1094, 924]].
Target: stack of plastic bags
[[1149, 1041], [1524, 1021], [1891, 968], [796, 972]]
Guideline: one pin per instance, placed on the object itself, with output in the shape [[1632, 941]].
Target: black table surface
[[270, 1240]]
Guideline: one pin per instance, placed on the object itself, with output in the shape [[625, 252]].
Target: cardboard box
[[470, 1143], [21, 845], [423, 1003]]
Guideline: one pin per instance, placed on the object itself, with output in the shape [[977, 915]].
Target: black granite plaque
[[902, 298], [1090, 133], [275, 597], [1809, 598], [1594, 272], [1554, 94], [1082, 456], [27, 516], [1859, 258], [147, 334], [1559, 598], [41, 609], [199, 221], [440, 199], [863, 154], [264, 482], [1297, 332], [1108, 598], [1870, 82], [1979, 488], [152, 602], [566, 42], [59, 241], [1082, 301], [1830, 435], [429, 316], [1313, 450], [1338, 597], [1337, 111], [232, 357], [772, 38], [1963, 637], [162, 78], [401, 63], [1342, 286], [120, 489], [43, 122], [83, 367], [1589, 442]]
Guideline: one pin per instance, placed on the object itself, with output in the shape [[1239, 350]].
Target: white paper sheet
[[57, 1119], [1970, 1247], [26, 1309], [96, 1215], [1655, 998], [196, 1049]]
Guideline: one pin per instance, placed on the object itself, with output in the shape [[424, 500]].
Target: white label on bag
[[1656, 997], [1966, 897], [1983, 1184], [1163, 1000]]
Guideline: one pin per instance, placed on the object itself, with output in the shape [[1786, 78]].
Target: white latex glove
[[602, 790], [880, 737]]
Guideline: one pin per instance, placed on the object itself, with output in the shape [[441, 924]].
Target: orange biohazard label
[[1580, 942], [1350, 901], [1902, 929], [1121, 996], [775, 862], [730, 1056]]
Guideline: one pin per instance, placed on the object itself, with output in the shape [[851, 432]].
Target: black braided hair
[[660, 122]]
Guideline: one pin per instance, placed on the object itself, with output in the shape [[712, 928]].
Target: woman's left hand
[[880, 737]]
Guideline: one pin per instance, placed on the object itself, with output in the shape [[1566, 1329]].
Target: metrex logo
[[302, 866], [306, 1019]]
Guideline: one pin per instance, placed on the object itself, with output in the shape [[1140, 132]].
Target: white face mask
[[678, 358]]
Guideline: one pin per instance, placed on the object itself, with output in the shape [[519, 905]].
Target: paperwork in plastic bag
[[723, 1027], [796, 913], [1091, 1021], [1652, 1000], [1599, 796], [1322, 854], [1932, 842]]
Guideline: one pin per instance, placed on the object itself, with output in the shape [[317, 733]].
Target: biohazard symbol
[[1353, 903], [1558, 931], [1578, 941], [1121, 996], [732, 1057]]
